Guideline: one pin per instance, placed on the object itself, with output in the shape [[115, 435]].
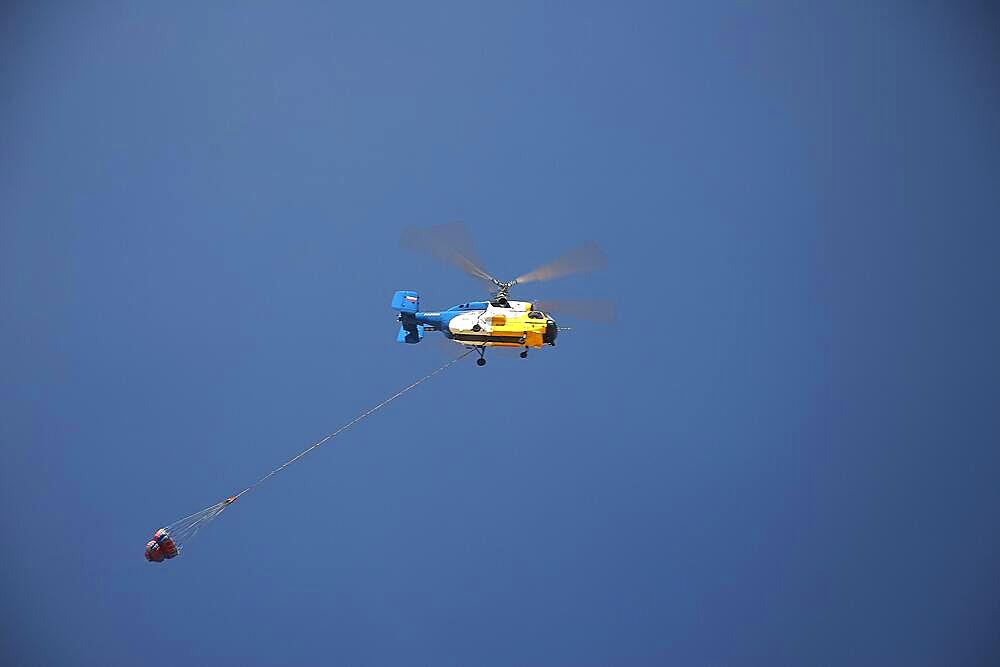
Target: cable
[[348, 425], [185, 529]]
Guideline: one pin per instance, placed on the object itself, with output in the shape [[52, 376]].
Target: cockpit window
[[535, 315]]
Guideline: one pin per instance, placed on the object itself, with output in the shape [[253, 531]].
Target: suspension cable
[[186, 528], [347, 426]]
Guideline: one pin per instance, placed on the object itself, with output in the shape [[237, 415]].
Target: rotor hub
[[503, 287]]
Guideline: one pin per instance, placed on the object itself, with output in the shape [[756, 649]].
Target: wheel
[[524, 354], [476, 327], [480, 361]]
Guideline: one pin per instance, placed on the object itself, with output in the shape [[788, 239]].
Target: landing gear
[[524, 353], [481, 361]]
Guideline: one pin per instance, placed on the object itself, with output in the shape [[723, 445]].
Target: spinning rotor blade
[[587, 257], [449, 243], [601, 311]]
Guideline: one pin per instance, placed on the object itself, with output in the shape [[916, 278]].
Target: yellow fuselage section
[[516, 326]]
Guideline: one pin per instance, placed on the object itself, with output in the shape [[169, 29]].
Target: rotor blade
[[587, 257], [449, 243], [601, 311]]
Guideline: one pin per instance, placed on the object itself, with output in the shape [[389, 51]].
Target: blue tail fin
[[406, 302], [410, 332]]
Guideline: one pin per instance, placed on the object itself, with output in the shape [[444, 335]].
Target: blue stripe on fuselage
[[439, 320]]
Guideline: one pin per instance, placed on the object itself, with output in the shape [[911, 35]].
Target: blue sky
[[783, 452]]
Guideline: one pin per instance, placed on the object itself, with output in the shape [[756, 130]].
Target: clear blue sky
[[784, 452]]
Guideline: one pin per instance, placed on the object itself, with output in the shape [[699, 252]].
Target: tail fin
[[406, 302], [410, 332]]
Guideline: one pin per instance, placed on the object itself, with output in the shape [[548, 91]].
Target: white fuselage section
[[481, 321]]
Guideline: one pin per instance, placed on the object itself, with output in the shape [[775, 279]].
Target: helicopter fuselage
[[497, 323], [493, 324]]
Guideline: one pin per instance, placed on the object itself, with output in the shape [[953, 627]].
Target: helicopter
[[498, 321]]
